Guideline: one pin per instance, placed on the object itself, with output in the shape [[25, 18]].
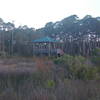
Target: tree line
[[79, 36]]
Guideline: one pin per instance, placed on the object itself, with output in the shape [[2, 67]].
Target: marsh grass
[[44, 81]]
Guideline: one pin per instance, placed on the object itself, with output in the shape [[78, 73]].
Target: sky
[[36, 13]]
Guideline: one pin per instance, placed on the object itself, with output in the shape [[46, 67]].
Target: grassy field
[[41, 79]]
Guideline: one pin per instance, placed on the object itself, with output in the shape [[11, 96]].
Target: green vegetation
[[50, 83], [96, 56], [79, 67]]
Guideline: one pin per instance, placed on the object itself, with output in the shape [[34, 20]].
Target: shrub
[[96, 60], [96, 52], [91, 73], [66, 59], [78, 67], [50, 83], [96, 56]]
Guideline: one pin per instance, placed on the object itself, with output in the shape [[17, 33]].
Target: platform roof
[[45, 40]]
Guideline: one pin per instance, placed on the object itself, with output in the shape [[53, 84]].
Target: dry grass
[[44, 64], [71, 90], [20, 79], [17, 65]]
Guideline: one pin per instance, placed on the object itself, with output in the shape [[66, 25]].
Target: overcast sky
[[36, 13]]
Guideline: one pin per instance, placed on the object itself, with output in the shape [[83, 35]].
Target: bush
[[96, 52], [96, 60], [96, 56], [92, 74], [66, 59], [78, 67], [50, 83]]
